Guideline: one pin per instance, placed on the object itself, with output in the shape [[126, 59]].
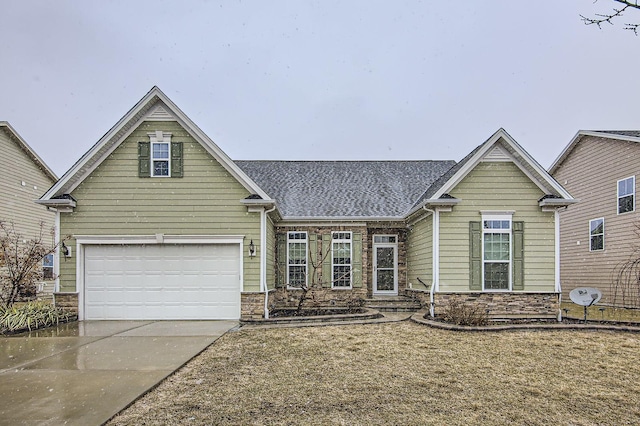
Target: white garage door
[[158, 281]]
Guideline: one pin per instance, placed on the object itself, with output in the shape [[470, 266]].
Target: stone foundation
[[498, 305], [67, 301], [252, 305], [317, 297]]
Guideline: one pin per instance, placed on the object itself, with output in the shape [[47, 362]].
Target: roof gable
[[623, 135], [499, 147], [154, 106], [29, 152]]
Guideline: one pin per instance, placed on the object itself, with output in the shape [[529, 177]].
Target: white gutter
[[435, 255], [263, 258]]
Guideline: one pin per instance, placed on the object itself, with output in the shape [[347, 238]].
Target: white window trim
[[160, 137], [306, 257], [350, 241], [591, 235], [633, 193], [498, 216]]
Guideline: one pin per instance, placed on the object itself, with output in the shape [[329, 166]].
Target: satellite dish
[[585, 296]]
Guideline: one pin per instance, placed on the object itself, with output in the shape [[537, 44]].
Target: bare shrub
[[459, 313]]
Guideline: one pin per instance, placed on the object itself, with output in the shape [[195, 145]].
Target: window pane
[[496, 246], [161, 168], [47, 261], [297, 253], [341, 253], [625, 204], [297, 275], [597, 242], [160, 150], [597, 226], [496, 276], [341, 276]]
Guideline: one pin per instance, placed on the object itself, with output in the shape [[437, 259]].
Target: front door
[[385, 261]]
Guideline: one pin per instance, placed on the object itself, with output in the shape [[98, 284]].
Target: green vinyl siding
[[497, 186], [113, 200], [271, 257], [420, 253]]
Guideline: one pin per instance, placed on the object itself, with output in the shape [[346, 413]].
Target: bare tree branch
[[600, 19]]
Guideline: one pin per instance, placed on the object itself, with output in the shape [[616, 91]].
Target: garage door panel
[[190, 281]]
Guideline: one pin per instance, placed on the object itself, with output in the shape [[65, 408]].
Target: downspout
[[56, 257], [556, 214], [263, 258], [435, 256]]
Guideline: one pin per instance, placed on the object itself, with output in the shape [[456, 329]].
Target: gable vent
[[159, 113], [497, 154]]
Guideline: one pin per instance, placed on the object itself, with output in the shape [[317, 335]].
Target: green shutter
[[281, 260], [518, 255], [312, 255], [356, 260], [144, 159], [176, 159], [327, 275], [475, 256]]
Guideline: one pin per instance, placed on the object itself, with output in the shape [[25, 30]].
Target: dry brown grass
[[401, 373], [608, 313]]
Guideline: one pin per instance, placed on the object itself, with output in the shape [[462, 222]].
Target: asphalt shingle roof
[[355, 189], [632, 133]]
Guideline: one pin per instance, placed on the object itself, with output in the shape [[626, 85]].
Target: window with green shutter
[[160, 157], [496, 254]]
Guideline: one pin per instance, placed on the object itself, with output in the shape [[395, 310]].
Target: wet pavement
[[85, 372]]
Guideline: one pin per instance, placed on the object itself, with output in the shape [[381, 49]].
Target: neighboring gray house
[[165, 225], [600, 233], [24, 177]]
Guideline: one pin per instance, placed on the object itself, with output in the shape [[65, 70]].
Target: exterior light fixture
[[252, 249]]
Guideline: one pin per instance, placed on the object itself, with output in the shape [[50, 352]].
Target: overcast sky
[[355, 80]]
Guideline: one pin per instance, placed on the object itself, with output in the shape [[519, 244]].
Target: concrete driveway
[[85, 372]]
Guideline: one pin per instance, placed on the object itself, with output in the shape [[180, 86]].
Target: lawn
[[401, 373]]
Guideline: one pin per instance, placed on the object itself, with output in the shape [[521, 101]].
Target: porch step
[[393, 304]]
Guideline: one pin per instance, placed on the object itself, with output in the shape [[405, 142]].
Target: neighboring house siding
[[498, 186], [420, 253], [18, 204], [113, 200], [590, 173]]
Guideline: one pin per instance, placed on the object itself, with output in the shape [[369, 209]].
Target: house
[[25, 177], [166, 226], [599, 168]]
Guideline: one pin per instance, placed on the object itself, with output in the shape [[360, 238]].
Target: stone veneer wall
[[317, 297], [498, 305], [252, 305], [67, 301]]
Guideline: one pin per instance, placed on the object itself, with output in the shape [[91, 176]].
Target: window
[[47, 267], [626, 195], [297, 259], [160, 158], [341, 259], [384, 239], [596, 234], [496, 252]]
